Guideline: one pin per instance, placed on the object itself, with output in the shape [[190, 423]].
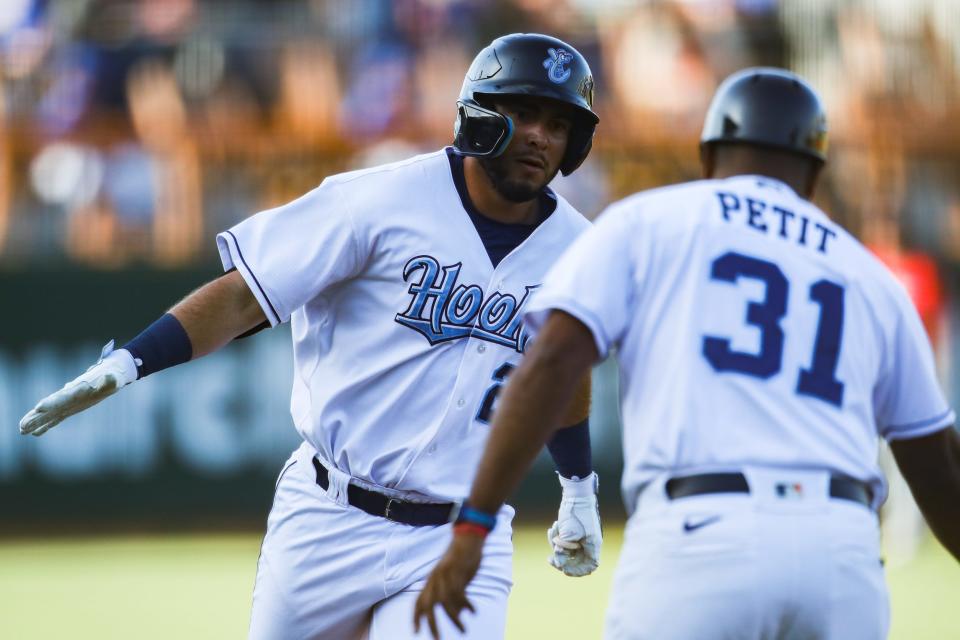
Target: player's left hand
[[447, 584], [576, 536], [114, 370]]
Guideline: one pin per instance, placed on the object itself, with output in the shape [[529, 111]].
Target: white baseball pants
[[757, 566], [328, 570]]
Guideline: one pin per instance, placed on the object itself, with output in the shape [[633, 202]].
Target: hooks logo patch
[[442, 309], [556, 62]]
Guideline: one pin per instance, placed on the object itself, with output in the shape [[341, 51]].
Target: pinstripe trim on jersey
[[920, 428], [262, 297], [544, 306]]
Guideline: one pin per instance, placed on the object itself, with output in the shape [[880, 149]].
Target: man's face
[[541, 132]]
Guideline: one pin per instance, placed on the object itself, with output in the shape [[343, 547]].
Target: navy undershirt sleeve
[[570, 450], [162, 345]]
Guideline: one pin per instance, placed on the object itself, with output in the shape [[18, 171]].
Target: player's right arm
[[931, 466], [218, 312], [276, 261], [201, 323]]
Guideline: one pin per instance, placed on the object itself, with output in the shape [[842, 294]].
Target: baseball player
[[404, 285], [762, 351]]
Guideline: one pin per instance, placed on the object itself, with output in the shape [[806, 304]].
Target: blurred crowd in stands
[[132, 130]]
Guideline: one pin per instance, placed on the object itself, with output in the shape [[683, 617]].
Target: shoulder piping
[[253, 275]]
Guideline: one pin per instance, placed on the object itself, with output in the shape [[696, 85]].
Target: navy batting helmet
[[524, 64], [768, 107]]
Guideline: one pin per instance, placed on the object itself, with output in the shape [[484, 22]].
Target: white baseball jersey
[[750, 329], [402, 328]]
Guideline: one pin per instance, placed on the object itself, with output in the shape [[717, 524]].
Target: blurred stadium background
[[132, 131]]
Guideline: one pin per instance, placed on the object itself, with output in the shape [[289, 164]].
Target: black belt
[[683, 486], [377, 504]]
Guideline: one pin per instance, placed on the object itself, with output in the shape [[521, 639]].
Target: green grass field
[[199, 587]]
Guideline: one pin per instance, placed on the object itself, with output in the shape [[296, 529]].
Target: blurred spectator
[[916, 270], [658, 76], [178, 116], [441, 66], [379, 90], [160, 121], [310, 96], [6, 171]]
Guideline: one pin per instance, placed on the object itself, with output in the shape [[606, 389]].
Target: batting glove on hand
[[576, 536], [113, 371]]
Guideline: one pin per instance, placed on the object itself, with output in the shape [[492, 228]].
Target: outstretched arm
[[218, 312], [931, 466], [199, 324], [534, 403]]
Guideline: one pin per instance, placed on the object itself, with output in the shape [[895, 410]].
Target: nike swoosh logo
[[693, 526]]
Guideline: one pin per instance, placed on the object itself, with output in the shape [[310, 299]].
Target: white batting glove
[[113, 371], [576, 536]]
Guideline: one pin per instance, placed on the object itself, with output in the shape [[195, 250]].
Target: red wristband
[[470, 528]]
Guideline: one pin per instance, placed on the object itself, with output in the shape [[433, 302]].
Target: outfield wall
[[198, 444]]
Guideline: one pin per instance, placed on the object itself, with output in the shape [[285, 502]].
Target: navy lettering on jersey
[[820, 380], [785, 215], [764, 315], [443, 310], [825, 232], [755, 214], [761, 217]]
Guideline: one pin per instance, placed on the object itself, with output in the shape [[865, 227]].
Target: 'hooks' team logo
[[555, 63], [442, 309]]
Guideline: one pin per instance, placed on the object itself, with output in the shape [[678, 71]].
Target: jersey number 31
[[820, 380]]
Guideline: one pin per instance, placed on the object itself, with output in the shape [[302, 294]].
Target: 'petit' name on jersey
[[772, 219], [442, 311]]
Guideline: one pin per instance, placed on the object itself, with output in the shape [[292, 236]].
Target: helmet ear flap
[[479, 131], [578, 148]]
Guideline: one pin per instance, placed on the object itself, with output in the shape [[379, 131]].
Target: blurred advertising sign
[[219, 415]]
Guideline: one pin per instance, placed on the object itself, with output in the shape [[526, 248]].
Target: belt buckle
[[386, 510]]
